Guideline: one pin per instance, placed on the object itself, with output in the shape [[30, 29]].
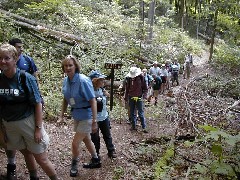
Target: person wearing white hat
[[154, 69], [163, 76], [136, 88]]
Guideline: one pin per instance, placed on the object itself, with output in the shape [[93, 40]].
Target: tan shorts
[[84, 126], [20, 135]]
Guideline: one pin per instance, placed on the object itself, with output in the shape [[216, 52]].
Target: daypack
[[141, 78], [24, 85]]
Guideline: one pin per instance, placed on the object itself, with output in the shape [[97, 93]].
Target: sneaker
[[133, 129], [145, 131], [112, 154], [11, 172], [94, 163], [34, 178], [74, 168], [99, 157]]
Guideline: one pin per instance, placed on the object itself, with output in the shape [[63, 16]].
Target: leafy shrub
[[227, 58]]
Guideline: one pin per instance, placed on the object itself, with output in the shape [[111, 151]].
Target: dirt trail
[[123, 138]]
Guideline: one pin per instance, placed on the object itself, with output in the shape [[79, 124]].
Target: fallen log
[[29, 24]]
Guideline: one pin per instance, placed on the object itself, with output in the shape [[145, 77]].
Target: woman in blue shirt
[[79, 94], [102, 115], [21, 114]]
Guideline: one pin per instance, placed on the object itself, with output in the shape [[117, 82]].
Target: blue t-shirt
[[77, 93], [27, 64], [101, 116], [17, 100]]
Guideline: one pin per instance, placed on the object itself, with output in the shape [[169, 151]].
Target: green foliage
[[15, 4], [162, 164], [227, 58], [224, 147], [118, 172], [220, 86]]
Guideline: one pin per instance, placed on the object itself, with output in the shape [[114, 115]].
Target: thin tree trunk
[[151, 14], [181, 13], [213, 34]]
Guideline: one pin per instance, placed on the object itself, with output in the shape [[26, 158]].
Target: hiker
[[21, 115], [24, 62], [163, 76], [154, 69], [148, 79], [186, 68], [102, 115], [135, 89], [190, 58], [175, 72], [168, 66], [156, 86], [78, 92]]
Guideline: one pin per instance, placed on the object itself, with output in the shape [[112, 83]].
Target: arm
[[64, 107], [38, 122], [63, 110], [93, 104], [106, 93]]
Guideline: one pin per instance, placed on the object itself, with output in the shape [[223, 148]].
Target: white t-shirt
[[154, 70]]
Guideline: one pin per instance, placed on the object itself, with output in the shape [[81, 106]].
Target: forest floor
[[135, 155]]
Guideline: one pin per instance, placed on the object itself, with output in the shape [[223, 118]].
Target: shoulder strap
[[23, 81]]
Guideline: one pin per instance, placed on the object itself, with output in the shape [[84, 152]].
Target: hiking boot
[[34, 178], [133, 129], [11, 172], [145, 130], [74, 168], [94, 163], [112, 154], [99, 157]]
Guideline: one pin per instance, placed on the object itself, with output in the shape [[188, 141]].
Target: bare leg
[[42, 160], [90, 146]]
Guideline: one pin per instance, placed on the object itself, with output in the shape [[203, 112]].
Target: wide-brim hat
[[96, 74], [134, 72]]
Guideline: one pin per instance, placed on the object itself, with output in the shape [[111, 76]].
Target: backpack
[[24, 85], [142, 80]]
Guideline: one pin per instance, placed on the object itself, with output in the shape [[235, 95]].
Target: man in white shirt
[[155, 69]]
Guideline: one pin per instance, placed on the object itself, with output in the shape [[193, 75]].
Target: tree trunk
[[213, 34], [151, 14], [181, 13]]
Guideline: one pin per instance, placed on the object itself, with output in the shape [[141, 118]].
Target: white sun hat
[[134, 72]]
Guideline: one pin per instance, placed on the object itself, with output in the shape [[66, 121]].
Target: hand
[[38, 136], [94, 126]]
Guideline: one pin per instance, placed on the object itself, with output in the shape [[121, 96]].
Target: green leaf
[[208, 128], [213, 135], [217, 149], [223, 168], [200, 169], [188, 143]]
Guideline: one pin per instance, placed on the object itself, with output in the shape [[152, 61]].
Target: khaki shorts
[[84, 126], [20, 135]]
